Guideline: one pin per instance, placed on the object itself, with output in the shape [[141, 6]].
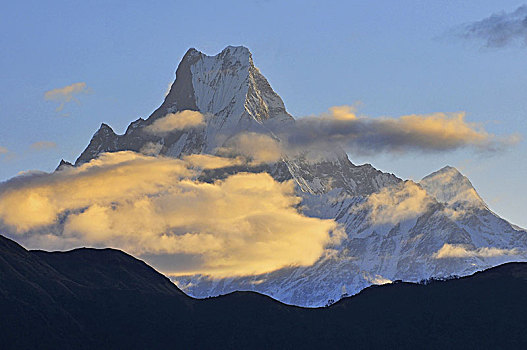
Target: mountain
[[395, 229], [76, 299], [449, 186], [227, 86], [106, 299]]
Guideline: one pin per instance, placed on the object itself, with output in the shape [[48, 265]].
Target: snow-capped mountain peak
[[227, 88], [449, 186]]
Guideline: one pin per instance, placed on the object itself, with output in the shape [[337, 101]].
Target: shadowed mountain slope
[[94, 299]]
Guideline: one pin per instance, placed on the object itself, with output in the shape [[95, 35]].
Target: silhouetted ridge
[[108, 268], [106, 299]]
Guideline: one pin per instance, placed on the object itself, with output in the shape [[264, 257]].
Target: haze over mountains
[[371, 227]]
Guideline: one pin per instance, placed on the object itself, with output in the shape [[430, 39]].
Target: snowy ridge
[[395, 229], [449, 186]]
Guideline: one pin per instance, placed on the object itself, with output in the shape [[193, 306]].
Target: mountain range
[[106, 299], [396, 229]]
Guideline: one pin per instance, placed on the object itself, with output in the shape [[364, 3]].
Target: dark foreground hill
[[106, 299]]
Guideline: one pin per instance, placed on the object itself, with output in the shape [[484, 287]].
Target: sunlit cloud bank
[[463, 251], [66, 94], [341, 127], [148, 206], [176, 121], [435, 132], [498, 30]]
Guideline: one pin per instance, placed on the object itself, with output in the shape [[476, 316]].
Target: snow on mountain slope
[[378, 251], [227, 87], [449, 186], [396, 229]]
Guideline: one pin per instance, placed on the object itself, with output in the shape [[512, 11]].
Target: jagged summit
[[106, 129], [228, 80], [226, 87], [63, 163], [449, 186]]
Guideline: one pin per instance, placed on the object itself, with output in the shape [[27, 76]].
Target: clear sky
[[395, 57]]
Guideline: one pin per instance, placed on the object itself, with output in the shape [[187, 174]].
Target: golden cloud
[[65, 94], [153, 206], [176, 121], [207, 161], [42, 145], [464, 251], [416, 132]]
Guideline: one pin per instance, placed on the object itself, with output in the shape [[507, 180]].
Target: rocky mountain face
[[396, 230]]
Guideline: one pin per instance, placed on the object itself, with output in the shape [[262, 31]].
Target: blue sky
[[396, 58]]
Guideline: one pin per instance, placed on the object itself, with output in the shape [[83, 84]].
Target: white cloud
[[375, 279], [393, 204]]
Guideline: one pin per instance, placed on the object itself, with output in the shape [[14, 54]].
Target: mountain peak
[[230, 50], [105, 128], [63, 163], [448, 169], [449, 186], [240, 52]]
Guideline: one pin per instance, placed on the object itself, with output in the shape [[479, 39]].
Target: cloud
[[257, 148], [437, 132], [65, 94], [151, 149], [464, 251], [499, 30], [207, 161], [154, 207], [393, 204], [176, 121], [42, 145], [6, 154], [375, 279]]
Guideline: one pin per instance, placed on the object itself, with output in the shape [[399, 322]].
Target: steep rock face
[[394, 228]]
